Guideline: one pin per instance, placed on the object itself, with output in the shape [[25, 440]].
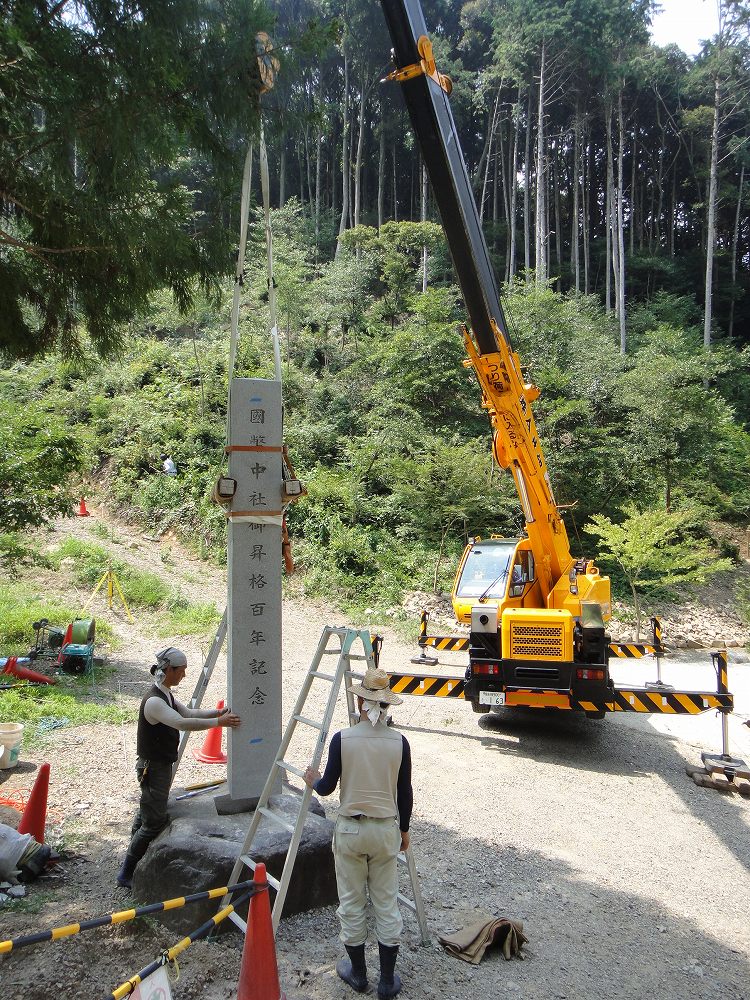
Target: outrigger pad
[[718, 781], [424, 661]]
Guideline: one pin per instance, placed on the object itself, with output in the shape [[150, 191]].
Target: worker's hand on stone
[[404, 840], [230, 719], [311, 776]]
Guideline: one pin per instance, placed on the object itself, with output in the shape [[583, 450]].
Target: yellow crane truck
[[536, 615]]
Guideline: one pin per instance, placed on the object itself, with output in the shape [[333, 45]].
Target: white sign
[[154, 987]]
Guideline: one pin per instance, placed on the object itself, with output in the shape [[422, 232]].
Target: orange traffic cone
[[82, 512], [211, 752], [11, 667], [259, 973], [35, 814]]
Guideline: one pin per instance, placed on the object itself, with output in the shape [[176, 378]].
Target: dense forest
[[610, 177], [599, 161]]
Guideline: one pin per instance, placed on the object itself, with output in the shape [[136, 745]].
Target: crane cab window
[[522, 574], [485, 570]]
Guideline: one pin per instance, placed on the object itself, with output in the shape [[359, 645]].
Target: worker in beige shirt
[[373, 764]]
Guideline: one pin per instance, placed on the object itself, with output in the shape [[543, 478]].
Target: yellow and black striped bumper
[[644, 700], [452, 642], [631, 649], [431, 687]]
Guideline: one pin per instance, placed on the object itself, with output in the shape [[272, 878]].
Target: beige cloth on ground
[[470, 943]]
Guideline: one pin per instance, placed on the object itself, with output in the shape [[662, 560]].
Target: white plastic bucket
[[11, 734]]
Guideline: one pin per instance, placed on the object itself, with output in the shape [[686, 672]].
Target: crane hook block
[[426, 65]]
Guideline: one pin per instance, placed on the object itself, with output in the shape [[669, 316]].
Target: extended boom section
[[425, 91]]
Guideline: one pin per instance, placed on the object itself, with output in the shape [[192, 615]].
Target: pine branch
[[38, 251]]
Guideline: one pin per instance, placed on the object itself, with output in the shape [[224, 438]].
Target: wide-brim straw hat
[[375, 687]]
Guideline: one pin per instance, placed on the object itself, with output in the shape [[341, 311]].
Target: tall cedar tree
[[108, 110]]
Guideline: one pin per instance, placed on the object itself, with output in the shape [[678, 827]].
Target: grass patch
[[20, 607], [182, 617], [140, 588], [33, 904], [143, 589], [36, 708], [89, 561]]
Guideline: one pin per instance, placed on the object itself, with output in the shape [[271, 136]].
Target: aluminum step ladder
[[202, 683], [343, 640]]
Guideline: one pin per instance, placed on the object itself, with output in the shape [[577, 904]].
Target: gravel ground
[[630, 880]]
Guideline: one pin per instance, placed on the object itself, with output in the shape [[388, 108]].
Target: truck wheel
[[596, 715], [479, 709]]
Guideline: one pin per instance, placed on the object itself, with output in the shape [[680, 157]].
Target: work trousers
[[152, 816], [365, 852]]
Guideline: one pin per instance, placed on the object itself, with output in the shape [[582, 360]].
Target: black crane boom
[[433, 124]]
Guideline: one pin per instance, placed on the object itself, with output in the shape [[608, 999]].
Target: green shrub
[[16, 551]]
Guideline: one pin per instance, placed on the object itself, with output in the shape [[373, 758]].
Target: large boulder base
[[198, 849]]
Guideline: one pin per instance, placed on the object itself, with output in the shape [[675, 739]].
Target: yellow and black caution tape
[[171, 954], [120, 917]]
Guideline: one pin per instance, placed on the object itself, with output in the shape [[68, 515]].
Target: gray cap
[[171, 657]]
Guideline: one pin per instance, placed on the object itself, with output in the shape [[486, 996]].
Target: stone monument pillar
[[254, 588]]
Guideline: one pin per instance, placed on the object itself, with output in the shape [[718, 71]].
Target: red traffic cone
[[259, 973], [66, 639], [35, 813], [11, 667], [211, 752], [82, 512]]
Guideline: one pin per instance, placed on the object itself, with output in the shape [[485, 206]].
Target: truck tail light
[[589, 674], [485, 668]]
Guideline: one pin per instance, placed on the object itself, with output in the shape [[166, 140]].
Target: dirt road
[[630, 880]]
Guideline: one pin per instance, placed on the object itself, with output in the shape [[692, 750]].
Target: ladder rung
[[276, 818], [237, 919], [248, 861], [286, 766], [322, 676], [308, 722], [358, 656], [407, 902]]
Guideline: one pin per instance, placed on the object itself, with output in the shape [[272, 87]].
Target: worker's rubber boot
[[353, 970], [390, 981], [125, 874]]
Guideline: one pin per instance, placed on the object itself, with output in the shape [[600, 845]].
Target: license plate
[[491, 697]]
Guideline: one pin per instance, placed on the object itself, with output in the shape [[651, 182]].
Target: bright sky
[[686, 23]]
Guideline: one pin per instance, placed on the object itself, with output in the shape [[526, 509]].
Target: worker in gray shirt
[[161, 718]]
